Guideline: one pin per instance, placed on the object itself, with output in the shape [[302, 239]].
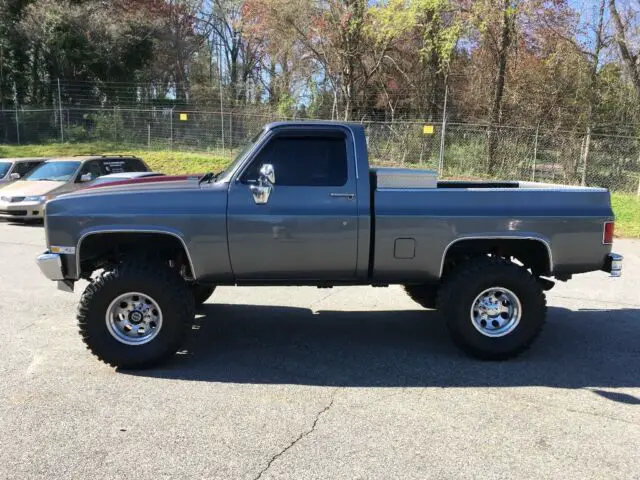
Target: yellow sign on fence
[[184, 117], [427, 129]]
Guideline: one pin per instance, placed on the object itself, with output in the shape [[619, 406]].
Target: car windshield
[[4, 168], [54, 171], [239, 157]]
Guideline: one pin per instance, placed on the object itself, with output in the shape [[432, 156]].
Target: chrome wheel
[[496, 312], [134, 318]]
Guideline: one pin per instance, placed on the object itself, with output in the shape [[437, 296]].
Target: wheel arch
[[120, 236], [533, 251]]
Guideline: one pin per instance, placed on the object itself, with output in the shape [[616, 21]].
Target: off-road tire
[[457, 294], [201, 293], [424, 295], [160, 282]]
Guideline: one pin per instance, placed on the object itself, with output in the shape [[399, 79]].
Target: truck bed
[[415, 227]]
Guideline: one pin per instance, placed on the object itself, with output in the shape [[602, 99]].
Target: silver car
[[12, 169]]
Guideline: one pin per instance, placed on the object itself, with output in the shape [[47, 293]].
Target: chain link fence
[[457, 150]]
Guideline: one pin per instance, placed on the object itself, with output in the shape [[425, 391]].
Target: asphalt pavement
[[304, 383]]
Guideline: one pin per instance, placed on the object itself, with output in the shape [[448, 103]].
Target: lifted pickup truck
[[301, 206]]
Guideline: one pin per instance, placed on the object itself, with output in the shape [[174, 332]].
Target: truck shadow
[[284, 345]]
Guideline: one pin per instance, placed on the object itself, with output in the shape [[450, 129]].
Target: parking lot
[[308, 383]]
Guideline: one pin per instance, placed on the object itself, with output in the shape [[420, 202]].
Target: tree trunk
[[630, 60], [495, 117], [593, 84]]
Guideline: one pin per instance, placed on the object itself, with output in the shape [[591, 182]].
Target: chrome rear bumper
[[613, 265]]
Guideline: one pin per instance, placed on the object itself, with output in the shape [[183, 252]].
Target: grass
[[172, 163], [625, 206], [627, 210]]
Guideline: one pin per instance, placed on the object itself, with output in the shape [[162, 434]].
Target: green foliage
[[286, 106], [627, 210], [109, 126]]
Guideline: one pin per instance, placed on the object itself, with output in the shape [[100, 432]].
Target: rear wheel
[[135, 315], [494, 309]]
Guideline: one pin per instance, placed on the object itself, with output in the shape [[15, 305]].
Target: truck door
[[306, 227]]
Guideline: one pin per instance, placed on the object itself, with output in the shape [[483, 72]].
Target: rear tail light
[[607, 235]]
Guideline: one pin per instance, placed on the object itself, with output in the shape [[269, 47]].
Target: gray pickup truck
[[300, 205]]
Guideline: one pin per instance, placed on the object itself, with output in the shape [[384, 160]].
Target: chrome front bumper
[[613, 265], [50, 265]]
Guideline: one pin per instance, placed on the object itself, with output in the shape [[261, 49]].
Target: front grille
[[14, 213], [12, 199]]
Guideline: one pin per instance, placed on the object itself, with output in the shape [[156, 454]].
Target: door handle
[[348, 196]]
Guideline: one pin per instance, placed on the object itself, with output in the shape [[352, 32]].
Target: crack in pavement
[[300, 437]]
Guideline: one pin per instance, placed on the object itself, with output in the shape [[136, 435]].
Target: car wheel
[[493, 309], [135, 315]]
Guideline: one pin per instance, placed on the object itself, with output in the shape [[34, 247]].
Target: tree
[[224, 24], [630, 58]]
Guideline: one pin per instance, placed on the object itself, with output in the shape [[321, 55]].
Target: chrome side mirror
[[87, 177], [14, 176], [268, 173], [262, 191]]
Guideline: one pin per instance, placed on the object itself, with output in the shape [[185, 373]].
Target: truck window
[[316, 160]]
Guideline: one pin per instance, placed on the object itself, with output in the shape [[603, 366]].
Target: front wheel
[[135, 315], [493, 309]]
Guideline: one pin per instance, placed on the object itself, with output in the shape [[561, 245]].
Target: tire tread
[[150, 272], [477, 269]]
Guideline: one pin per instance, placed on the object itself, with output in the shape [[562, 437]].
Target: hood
[[168, 180], [138, 186], [25, 188]]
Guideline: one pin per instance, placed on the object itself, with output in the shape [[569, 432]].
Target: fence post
[[148, 135], [221, 102], [17, 126], [171, 130], [115, 125], [587, 143], [535, 155], [444, 126], [60, 107], [230, 140], [638, 192]]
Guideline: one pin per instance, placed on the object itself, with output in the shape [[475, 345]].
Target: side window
[[25, 167], [91, 168], [314, 161], [134, 165], [123, 165]]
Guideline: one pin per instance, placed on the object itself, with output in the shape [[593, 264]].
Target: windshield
[[4, 168], [55, 171], [239, 157]]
